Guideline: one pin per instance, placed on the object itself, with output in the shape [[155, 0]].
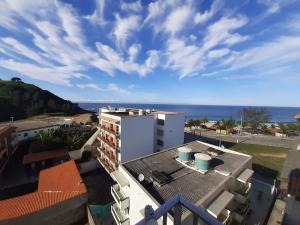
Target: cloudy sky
[[167, 51]]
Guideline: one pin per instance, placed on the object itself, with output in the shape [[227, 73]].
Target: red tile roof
[[56, 184], [41, 156], [64, 177]]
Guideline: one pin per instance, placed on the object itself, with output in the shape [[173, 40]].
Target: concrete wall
[[138, 199], [173, 130], [137, 134], [65, 213], [33, 133]]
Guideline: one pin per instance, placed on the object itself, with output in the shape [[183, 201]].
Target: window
[[160, 143], [160, 132], [25, 134], [35, 131], [160, 122]]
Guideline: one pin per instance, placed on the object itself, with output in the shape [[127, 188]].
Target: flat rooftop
[[29, 125], [128, 112], [191, 184]]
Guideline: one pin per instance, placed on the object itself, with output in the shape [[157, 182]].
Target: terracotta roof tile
[[56, 184]]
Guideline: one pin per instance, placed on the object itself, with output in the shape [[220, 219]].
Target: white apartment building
[[26, 130], [211, 180], [126, 134]]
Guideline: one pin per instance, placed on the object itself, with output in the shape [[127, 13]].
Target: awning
[[219, 204], [119, 178], [245, 176]]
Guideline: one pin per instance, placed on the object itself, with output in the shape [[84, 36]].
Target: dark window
[[160, 143], [25, 134], [160, 122], [160, 132]]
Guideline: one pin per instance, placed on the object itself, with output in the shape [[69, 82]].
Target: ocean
[[212, 112]]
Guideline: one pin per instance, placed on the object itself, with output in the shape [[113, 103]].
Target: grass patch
[[267, 160]]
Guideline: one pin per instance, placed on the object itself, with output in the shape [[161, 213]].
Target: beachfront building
[[60, 199], [212, 183], [8, 145], [126, 134], [26, 130]]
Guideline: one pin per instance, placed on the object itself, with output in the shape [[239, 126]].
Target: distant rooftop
[[28, 125], [182, 180], [122, 112]]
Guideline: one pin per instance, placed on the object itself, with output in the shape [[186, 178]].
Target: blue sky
[[167, 51]]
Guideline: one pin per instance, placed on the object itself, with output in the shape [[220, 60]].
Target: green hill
[[21, 100]]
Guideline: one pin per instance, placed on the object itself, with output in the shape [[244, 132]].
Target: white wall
[[33, 133], [138, 198], [173, 130], [137, 134]]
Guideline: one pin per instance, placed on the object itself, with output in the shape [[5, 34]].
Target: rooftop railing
[[175, 204]]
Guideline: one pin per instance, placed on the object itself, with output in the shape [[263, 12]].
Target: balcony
[[120, 217], [225, 217], [121, 199], [107, 166], [109, 143], [110, 130], [242, 192]]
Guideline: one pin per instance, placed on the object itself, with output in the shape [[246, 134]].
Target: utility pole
[[241, 125]]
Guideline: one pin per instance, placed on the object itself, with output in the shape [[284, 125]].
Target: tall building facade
[[126, 134]]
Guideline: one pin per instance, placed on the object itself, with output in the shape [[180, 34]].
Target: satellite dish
[[141, 177]]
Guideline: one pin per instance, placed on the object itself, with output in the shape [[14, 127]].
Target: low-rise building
[[8, 144], [210, 178], [60, 199], [126, 134], [30, 129]]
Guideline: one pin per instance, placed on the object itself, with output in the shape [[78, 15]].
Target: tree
[[16, 79], [255, 117], [228, 124]]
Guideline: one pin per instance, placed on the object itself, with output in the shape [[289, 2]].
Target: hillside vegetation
[[21, 100]]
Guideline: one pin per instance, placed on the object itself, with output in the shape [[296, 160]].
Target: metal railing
[[176, 204]]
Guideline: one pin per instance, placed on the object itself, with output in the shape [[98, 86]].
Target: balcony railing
[[242, 192], [109, 155], [121, 199], [106, 165], [109, 143], [120, 217], [110, 130], [225, 217]]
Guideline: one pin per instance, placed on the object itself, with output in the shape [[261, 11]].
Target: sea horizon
[[280, 114]]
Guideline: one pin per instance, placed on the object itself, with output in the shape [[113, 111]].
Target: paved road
[[250, 139]]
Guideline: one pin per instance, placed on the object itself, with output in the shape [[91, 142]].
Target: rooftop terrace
[[189, 183]]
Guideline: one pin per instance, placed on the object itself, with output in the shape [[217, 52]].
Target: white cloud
[[273, 6], [183, 57], [20, 49], [133, 51], [127, 65], [124, 29], [218, 53], [201, 18], [98, 16], [177, 19], [220, 32], [56, 75], [88, 86], [277, 52], [132, 7]]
